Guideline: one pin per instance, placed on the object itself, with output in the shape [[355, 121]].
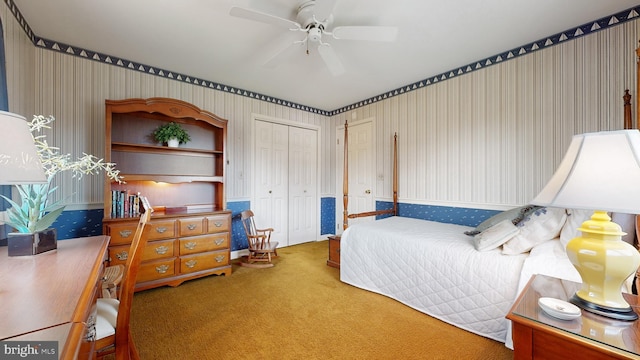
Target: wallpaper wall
[[492, 138], [488, 139]]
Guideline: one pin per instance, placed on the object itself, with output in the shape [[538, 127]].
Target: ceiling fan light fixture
[[315, 18], [315, 34]]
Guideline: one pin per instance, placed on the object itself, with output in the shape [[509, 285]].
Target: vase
[[20, 244], [173, 142]]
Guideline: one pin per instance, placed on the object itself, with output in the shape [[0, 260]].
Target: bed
[[461, 279]]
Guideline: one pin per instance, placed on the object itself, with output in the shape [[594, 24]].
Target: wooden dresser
[[189, 231], [51, 296], [181, 246]]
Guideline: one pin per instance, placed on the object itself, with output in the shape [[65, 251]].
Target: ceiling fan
[[315, 18]]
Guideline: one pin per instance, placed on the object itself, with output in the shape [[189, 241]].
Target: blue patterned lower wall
[[445, 214], [327, 215], [79, 223], [238, 238]]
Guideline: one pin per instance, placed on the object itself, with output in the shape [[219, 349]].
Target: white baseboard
[[239, 253]]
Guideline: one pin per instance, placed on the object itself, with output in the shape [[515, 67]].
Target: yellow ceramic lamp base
[[604, 262]]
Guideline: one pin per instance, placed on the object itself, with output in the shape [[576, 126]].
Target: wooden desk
[[50, 296], [537, 335]]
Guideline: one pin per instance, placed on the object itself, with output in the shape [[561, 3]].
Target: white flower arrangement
[[35, 214]]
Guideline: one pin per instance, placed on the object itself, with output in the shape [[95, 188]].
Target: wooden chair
[[111, 280], [113, 334], [261, 248]]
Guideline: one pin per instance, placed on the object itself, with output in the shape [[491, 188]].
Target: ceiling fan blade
[[263, 17], [368, 33], [331, 59], [283, 51], [323, 9]]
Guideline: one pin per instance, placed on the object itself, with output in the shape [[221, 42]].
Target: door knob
[[367, 192]]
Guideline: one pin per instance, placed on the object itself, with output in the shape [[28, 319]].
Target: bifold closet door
[[303, 181], [271, 177]]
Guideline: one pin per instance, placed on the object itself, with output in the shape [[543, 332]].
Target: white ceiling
[[200, 39]]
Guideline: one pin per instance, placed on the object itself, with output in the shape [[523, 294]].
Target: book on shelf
[[124, 204]]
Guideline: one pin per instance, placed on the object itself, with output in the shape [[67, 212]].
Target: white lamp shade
[[601, 171], [19, 161]]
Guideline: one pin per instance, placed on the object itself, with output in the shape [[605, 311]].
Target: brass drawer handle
[[161, 250], [219, 258], [218, 223], [122, 256], [192, 226], [191, 263], [162, 269], [219, 241], [161, 229], [125, 233], [191, 245]]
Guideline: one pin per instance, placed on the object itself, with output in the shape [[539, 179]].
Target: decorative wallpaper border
[[570, 34], [582, 30]]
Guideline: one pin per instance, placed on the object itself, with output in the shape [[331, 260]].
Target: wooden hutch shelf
[[189, 232]]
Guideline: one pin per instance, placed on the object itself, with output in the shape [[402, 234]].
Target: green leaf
[[47, 220]]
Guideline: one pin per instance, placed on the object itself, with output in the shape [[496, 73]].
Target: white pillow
[[575, 218], [543, 225], [495, 236]]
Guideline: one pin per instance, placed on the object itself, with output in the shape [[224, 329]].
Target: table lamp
[[19, 160], [600, 172]]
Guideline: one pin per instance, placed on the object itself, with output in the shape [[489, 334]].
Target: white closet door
[[271, 178], [303, 181]]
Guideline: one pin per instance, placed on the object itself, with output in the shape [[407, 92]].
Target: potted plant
[[171, 133], [35, 214]]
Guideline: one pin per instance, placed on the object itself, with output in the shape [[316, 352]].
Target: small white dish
[[559, 309]]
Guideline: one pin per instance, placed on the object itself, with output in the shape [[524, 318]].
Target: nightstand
[[334, 251], [537, 335]]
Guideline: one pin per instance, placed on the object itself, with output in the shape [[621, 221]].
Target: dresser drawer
[[121, 233], [158, 250], [218, 223], [192, 263], [191, 226], [160, 229], [198, 244], [118, 254], [157, 269]]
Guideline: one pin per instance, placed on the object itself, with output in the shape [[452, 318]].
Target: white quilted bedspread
[[434, 268]]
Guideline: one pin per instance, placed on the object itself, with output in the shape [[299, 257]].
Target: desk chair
[[113, 334]]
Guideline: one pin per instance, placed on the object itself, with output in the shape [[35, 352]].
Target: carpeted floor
[[297, 309]]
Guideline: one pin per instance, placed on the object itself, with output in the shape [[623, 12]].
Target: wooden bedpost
[[395, 174], [628, 121], [637, 89], [345, 179]]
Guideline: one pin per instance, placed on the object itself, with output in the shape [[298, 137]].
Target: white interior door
[[361, 172], [271, 165], [303, 182]]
